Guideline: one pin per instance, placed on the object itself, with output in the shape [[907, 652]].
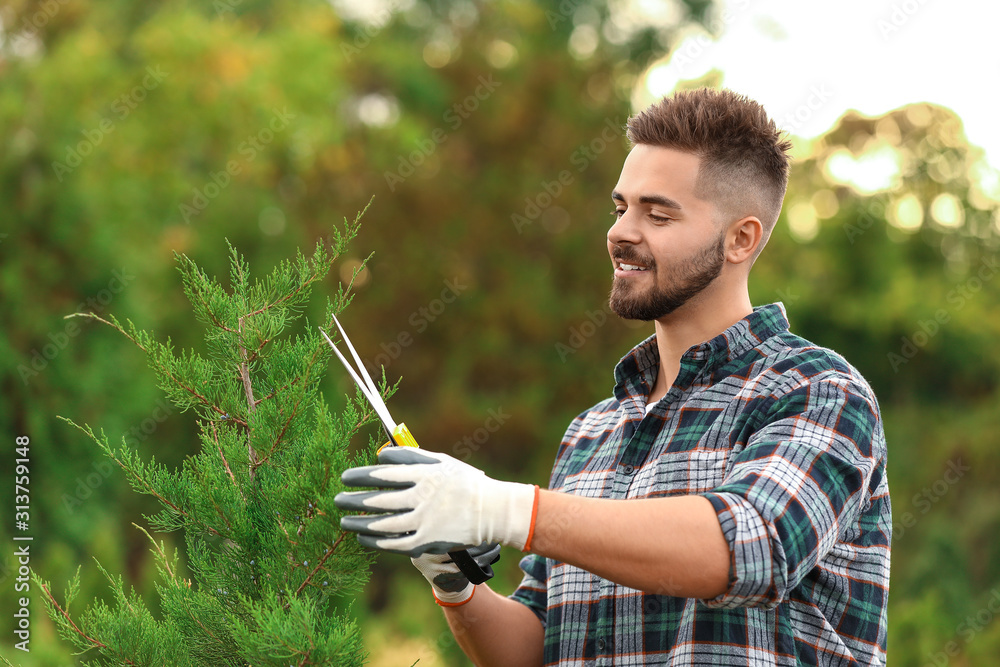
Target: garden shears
[[399, 436]]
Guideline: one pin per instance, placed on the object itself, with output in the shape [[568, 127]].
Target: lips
[[631, 267], [629, 262]]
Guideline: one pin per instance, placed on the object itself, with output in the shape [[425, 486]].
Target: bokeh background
[[487, 136]]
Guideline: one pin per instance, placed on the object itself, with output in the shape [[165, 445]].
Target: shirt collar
[[741, 337]]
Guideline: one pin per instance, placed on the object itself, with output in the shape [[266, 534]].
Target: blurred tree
[[490, 135]]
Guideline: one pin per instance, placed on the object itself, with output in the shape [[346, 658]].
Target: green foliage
[[263, 540], [519, 292]]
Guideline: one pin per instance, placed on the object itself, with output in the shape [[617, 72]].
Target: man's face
[[665, 245]]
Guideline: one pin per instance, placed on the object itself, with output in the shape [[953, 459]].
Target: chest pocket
[[691, 455]]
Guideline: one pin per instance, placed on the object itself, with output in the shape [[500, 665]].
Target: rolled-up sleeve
[[800, 479], [533, 590]]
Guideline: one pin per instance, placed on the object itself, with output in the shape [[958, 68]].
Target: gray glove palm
[[449, 584]]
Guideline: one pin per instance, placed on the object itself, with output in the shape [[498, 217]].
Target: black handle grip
[[470, 568]]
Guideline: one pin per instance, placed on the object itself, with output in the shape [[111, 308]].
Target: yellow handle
[[403, 438]]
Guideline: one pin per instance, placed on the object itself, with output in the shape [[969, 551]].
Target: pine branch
[[166, 371], [256, 595], [264, 309], [196, 285], [317, 348], [229, 471], [68, 621], [252, 405], [319, 565], [218, 510], [274, 392], [256, 353], [135, 478], [245, 372], [162, 556]]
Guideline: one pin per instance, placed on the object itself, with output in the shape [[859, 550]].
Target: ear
[[743, 238]]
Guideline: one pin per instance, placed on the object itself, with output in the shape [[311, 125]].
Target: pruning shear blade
[[367, 386], [400, 435]]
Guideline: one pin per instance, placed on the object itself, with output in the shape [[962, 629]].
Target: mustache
[[631, 256]]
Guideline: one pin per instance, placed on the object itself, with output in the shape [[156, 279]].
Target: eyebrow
[[650, 199]]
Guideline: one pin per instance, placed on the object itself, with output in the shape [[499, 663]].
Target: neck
[[701, 319]]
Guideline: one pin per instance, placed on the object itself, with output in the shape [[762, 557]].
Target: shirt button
[[601, 644], [628, 470]]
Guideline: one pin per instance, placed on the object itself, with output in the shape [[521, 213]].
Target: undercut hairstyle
[[743, 154]]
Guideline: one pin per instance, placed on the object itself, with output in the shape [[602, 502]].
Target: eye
[[617, 213], [657, 218]]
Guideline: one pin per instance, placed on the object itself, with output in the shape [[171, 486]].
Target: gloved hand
[[434, 503], [450, 586]]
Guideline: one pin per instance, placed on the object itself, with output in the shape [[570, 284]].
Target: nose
[[623, 230]]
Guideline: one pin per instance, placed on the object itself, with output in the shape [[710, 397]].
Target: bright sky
[[869, 55]]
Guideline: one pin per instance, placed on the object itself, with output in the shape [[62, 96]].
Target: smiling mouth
[[632, 267], [627, 261]]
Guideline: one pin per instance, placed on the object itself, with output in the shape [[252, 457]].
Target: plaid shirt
[[785, 439]]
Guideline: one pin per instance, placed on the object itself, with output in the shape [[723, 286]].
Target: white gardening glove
[[433, 503], [450, 586]]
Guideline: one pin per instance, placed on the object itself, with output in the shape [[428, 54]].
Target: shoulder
[[803, 387], [790, 363]]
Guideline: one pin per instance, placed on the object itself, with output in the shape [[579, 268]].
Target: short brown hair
[[744, 165]]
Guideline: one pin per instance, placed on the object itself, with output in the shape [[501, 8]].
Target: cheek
[[668, 249], [674, 247]]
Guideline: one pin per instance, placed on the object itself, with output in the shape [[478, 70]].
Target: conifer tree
[[255, 503]]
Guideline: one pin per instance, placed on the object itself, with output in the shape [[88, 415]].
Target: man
[[729, 504]]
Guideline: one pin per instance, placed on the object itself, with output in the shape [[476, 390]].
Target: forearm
[[496, 631], [670, 546]]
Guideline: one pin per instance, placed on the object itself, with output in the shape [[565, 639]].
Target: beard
[[683, 282]]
